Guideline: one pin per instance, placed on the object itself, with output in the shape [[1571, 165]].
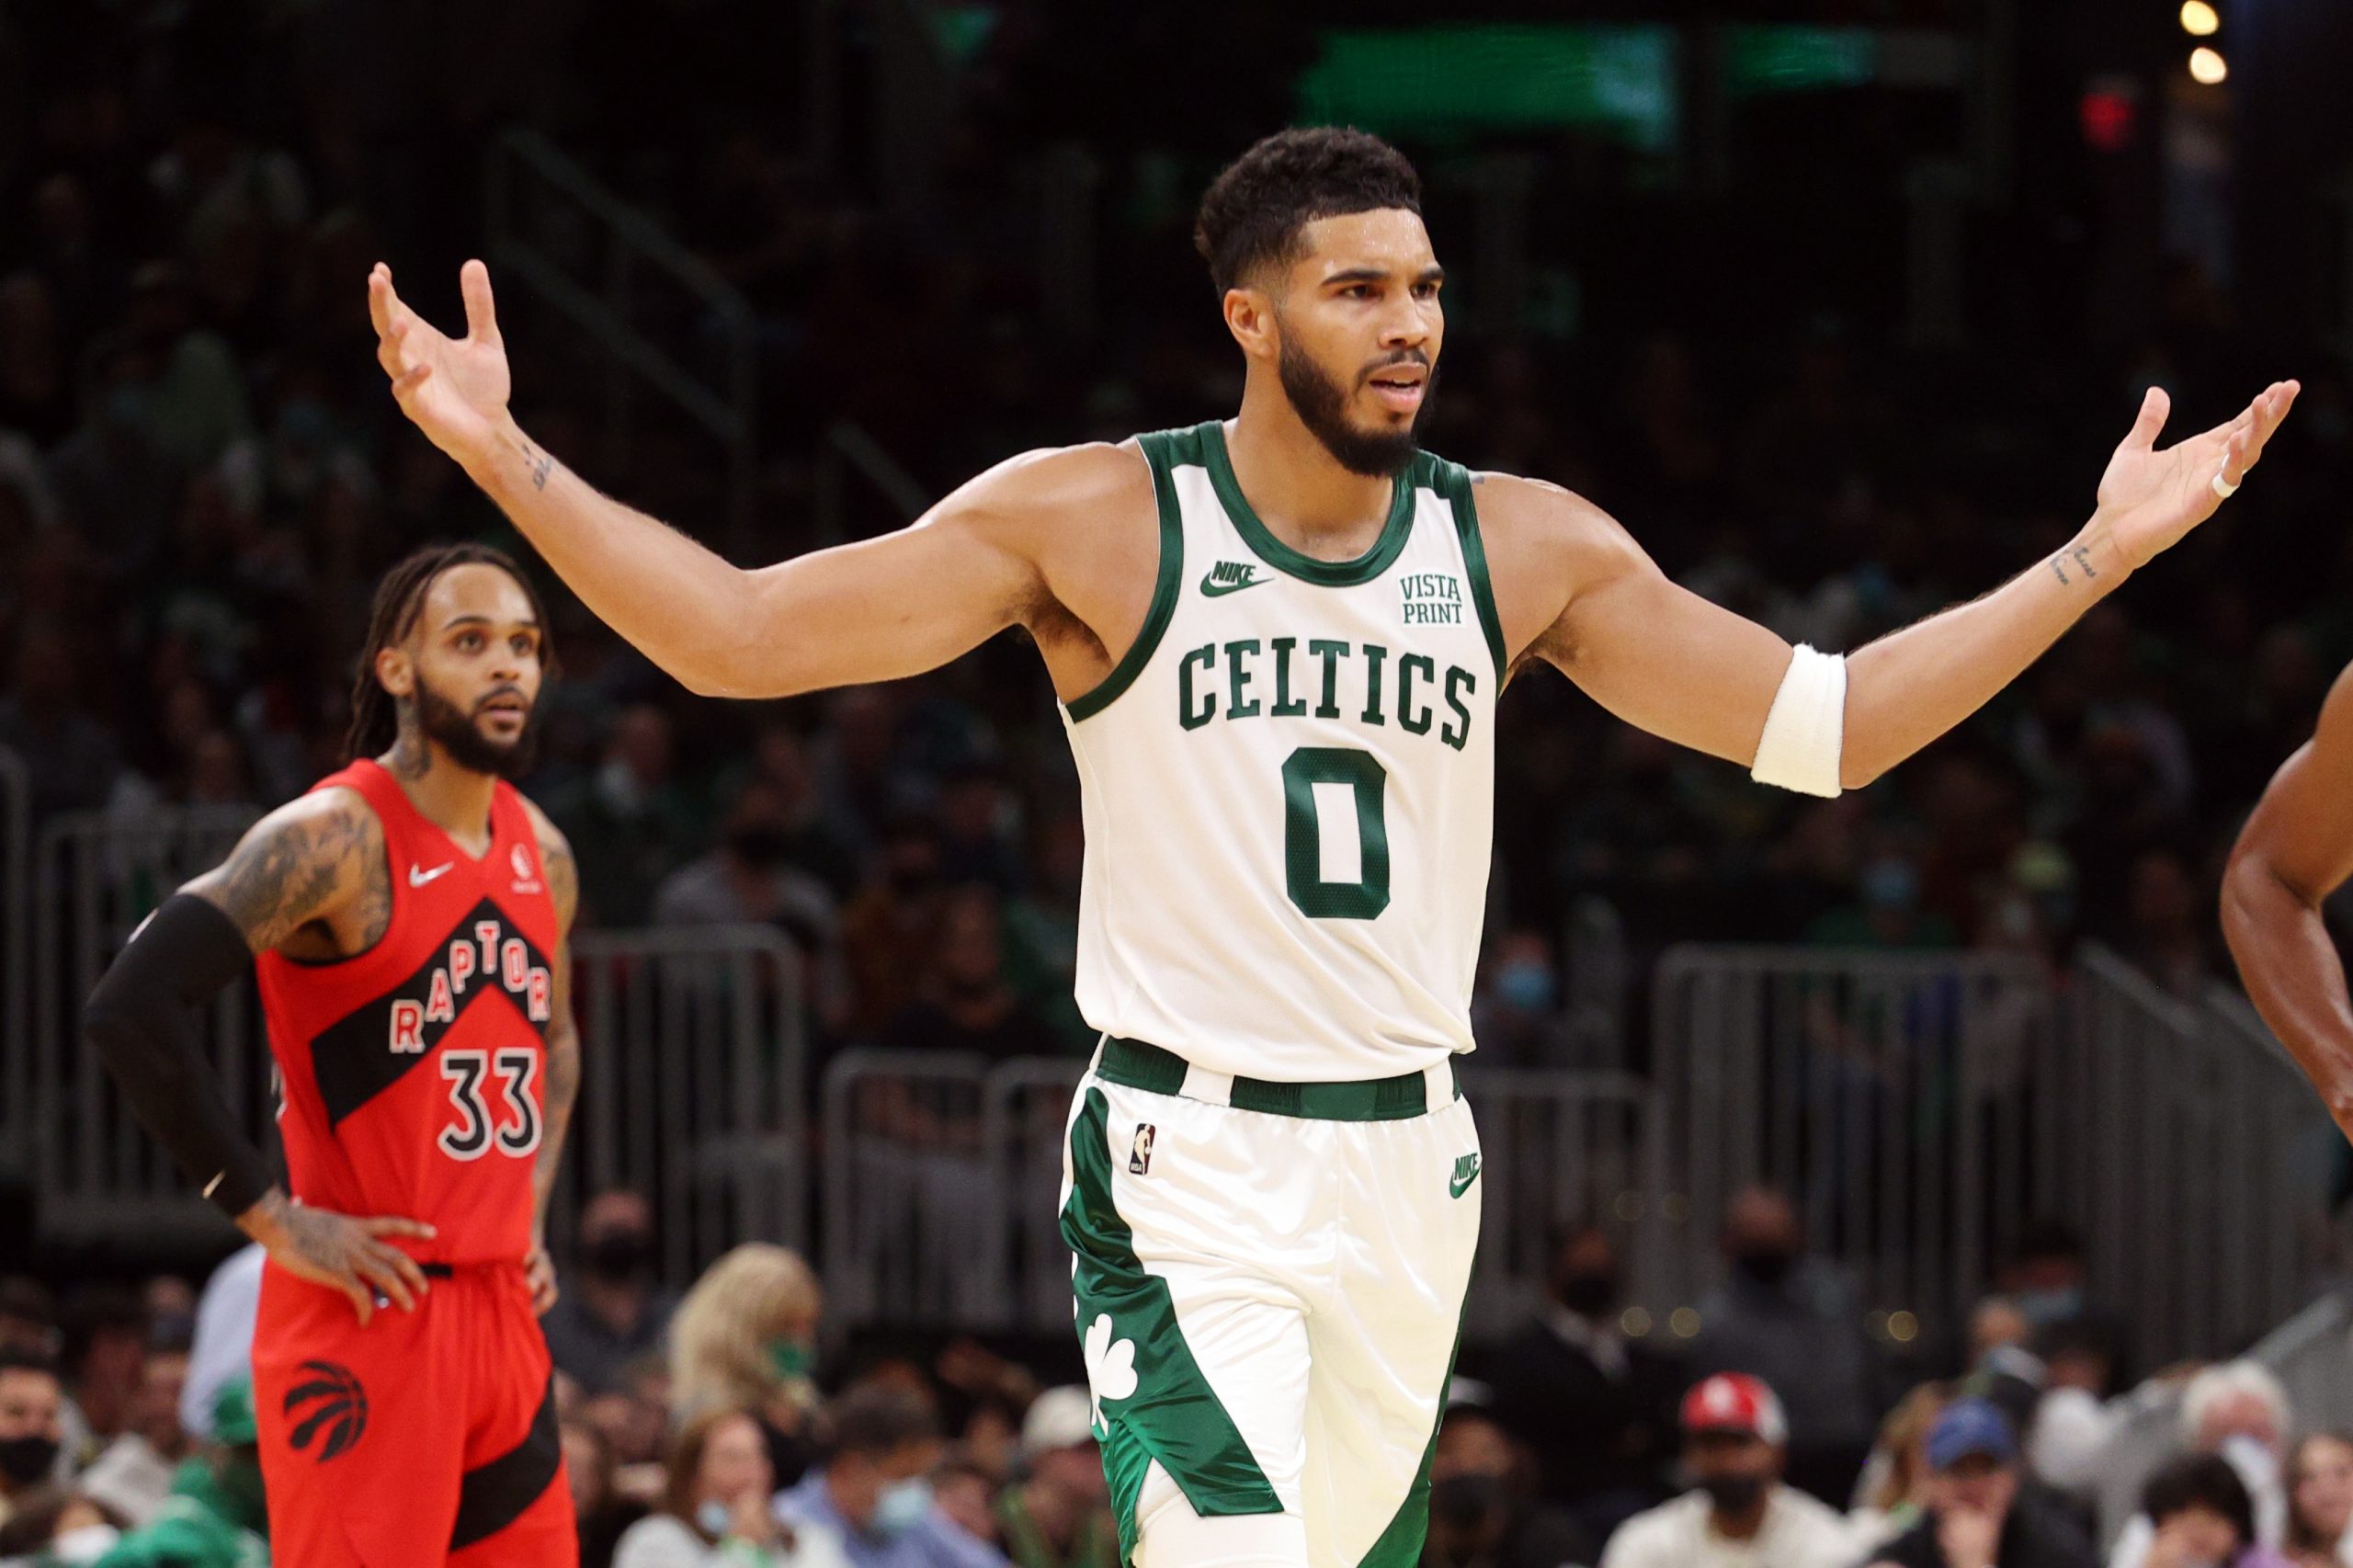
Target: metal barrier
[[1876, 1088], [692, 1073], [1922, 1108], [942, 1202], [97, 1174], [15, 964]]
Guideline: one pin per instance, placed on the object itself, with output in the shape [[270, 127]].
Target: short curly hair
[[1252, 212]]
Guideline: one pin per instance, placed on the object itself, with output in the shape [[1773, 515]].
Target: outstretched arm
[[875, 611], [2296, 849], [1662, 658]]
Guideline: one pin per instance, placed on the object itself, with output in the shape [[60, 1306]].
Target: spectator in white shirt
[[1740, 1515], [2239, 1411]]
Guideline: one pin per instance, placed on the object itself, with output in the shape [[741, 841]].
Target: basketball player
[[1278, 642], [408, 919], [2295, 851]]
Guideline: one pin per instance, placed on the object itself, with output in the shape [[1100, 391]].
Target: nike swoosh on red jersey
[[418, 878]]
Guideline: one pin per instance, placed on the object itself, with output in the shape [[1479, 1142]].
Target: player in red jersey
[[408, 919]]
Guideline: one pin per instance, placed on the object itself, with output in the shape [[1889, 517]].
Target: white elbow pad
[[1807, 728]]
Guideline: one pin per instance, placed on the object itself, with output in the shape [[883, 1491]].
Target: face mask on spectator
[[2043, 1308], [1768, 1265], [1526, 985], [901, 1505], [28, 1459], [713, 1517], [791, 1357], [1587, 1295], [619, 1254], [758, 845], [1465, 1501], [1733, 1493]]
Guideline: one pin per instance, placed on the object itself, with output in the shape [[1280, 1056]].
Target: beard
[[454, 729], [1322, 404]]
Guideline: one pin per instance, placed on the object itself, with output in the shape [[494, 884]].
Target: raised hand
[[454, 390], [340, 1252], [2152, 498]]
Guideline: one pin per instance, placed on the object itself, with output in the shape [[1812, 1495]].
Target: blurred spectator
[[1595, 1408], [611, 1311], [2076, 1419], [745, 1338], [2320, 1503], [1041, 928], [1483, 1514], [28, 1317], [222, 1349], [748, 881], [134, 1474], [1739, 1513], [1059, 1515], [31, 1436], [715, 1511], [2236, 1411], [1894, 1491], [2166, 921], [887, 930], [871, 1489], [598, 1507], [2201, 1516], [53, 1527], [634, 812], [215, 1516], [1515, 1012], [170, 1303], [963, 1491], [963, 1002], [1976, 1517], [104, 1356], [71, 758], [1793, 1321]]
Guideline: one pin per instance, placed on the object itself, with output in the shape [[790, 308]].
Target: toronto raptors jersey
[[411, 1074]]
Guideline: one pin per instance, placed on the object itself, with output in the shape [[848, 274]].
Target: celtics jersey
[[1288, 786]]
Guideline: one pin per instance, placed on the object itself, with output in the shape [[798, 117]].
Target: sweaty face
[[475, 659], [1359, 326]]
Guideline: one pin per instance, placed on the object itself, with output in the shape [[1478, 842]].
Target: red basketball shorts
[[425, 1438]]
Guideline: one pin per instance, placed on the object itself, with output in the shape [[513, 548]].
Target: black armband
[[141, 1021]]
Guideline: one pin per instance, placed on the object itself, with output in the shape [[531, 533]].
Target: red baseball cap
[[1735, 1401]]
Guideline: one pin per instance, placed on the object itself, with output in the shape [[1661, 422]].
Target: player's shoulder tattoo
[[561, 866], [299, 864]]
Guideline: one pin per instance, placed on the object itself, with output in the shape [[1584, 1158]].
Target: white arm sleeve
[[1806, 730]]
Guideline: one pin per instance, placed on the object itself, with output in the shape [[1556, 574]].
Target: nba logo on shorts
[[1140, 1152]]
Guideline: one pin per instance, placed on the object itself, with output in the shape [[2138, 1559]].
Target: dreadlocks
[[400, 599]]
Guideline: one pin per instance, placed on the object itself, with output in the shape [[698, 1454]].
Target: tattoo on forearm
[[2083, 559]]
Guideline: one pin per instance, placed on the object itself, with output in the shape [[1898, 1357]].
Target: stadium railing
[[943, 1178], [15, 964], [1922, 1108], [693, 1046]]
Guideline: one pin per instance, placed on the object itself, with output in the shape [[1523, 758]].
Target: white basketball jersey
[[1288, 786]]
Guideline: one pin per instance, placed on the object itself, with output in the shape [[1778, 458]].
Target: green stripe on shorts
[[1152, 1401]]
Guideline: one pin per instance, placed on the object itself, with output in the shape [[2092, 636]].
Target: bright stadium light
[[2207, 65], [2199, 20]]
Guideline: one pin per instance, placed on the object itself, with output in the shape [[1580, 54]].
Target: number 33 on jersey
[[1269, 891], [413, 1072]]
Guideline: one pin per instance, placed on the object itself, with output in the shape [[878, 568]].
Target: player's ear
[[396, 671], [1250, 316]]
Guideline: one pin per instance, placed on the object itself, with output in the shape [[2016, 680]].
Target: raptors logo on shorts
[[330, 1409]]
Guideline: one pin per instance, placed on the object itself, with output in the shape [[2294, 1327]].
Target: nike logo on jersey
[[418, 878], [1230, 577], [1466, 1171]]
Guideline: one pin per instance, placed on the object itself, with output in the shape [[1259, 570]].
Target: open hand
[[453, 389], [2152, 498], [340, 1252]]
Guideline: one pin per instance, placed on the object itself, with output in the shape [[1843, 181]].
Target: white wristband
[[1806, 730]]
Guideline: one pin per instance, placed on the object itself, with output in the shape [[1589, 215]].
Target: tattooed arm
[[311, 876], [563, 1081], [1573, 588]]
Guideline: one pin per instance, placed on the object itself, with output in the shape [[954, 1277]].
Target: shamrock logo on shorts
[[1111, 1368]]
